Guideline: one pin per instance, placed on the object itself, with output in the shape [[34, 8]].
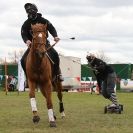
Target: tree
[[101, 55], [15, 56]]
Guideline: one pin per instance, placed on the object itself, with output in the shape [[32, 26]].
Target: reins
[[51, 46]]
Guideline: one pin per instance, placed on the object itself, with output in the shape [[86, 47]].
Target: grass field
[[84, 114]]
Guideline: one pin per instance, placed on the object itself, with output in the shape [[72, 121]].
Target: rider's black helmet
[[30, 6]]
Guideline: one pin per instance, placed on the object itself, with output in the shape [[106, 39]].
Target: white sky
[[97, 25]]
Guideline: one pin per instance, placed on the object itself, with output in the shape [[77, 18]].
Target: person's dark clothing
[[102, 69], [26, 31], [105, 76]]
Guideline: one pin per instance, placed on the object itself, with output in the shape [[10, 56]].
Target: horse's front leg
[[47, 92], [32, 87]]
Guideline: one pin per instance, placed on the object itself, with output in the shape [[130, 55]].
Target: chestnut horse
[[39, 74]]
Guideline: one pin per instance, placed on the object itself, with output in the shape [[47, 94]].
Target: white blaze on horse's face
[[40, 35]]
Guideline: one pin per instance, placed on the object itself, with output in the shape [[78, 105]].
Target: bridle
[[42, 43]]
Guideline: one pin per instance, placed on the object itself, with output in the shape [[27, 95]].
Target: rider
[[26, 33], [105, 76]]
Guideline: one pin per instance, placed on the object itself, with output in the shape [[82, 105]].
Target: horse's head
[[39, 39]]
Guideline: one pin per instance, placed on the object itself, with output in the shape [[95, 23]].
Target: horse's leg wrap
[[33, 104], [51, 115]]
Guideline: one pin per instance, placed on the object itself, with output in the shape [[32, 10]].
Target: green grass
[[84, 114]]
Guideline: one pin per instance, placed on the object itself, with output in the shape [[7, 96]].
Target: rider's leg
[[23, 60], [23, 64], [55, 58]]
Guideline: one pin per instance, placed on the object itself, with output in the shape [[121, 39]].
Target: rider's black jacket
[[26, 31]]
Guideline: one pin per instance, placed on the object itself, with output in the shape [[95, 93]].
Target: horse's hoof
[[62, 115], [52, 124], [36, 119]]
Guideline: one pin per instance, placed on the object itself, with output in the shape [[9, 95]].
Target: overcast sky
[[97, 25]]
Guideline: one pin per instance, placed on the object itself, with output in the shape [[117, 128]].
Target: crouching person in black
[[105, 76]]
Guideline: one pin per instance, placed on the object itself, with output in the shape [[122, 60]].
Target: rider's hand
[[28, 42], [56, 39]]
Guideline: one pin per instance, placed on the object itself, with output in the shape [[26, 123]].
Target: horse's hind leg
[[59, 88], [32, 86]]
